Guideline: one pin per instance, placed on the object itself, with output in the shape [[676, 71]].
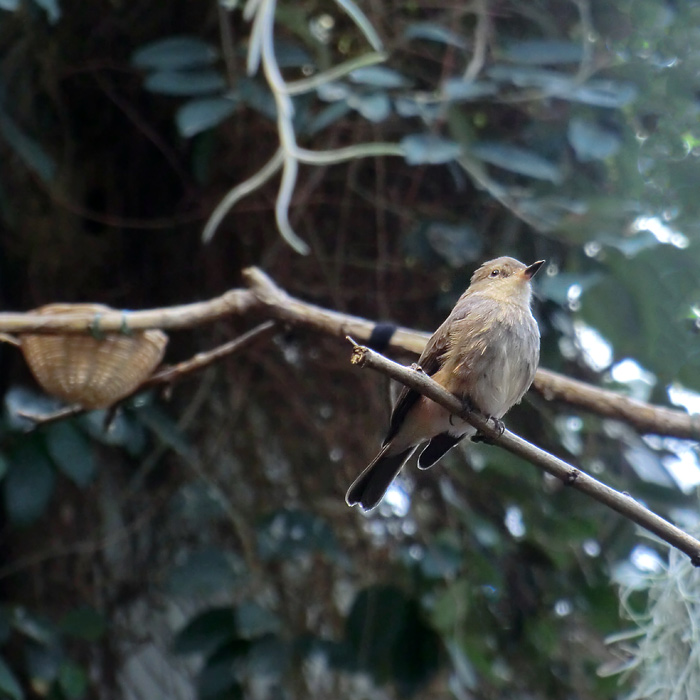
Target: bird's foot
[[498, 425], [417, 368]]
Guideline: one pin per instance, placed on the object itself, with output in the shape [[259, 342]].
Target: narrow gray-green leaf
[[428, 31], [591, 141], [199, 115], [516, 160], [427, 148], [379, 76], [185, 83], [28, 150], [175, 53], [544, 52]]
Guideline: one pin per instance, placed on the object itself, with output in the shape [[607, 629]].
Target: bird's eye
[[495, 273]]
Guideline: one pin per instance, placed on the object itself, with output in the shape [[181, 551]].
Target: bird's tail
[[369, 488]]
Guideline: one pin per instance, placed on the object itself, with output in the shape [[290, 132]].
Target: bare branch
[[265, 299], [568, 474]]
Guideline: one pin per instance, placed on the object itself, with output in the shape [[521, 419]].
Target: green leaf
[[218, 681], [84, 623], [175, 53], [71, 452], [9, 5], [516, 160], [206, 572], [73, 680], [391, 640], [199, 115], [207, 632], [29, 483], [185, 83], [9, 685], [252, 620], [428, 148]]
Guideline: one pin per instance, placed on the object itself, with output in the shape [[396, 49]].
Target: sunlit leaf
[[199, 115], [427, 148], [516, 160], [185, 83], [175, 53]]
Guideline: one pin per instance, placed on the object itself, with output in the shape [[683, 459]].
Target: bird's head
[[505, 279]]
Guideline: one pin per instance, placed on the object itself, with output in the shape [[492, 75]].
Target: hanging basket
[[89, 371]]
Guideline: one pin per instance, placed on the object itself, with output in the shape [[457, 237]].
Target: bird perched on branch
[[485, 353]]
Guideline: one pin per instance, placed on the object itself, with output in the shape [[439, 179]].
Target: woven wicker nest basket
[[89, 371]]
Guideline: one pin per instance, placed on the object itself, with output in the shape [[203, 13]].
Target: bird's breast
[[496, 367]]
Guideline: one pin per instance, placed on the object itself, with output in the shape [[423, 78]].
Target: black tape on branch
[[381, 336]]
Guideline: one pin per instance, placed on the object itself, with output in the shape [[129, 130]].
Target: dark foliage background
[[203, 540]]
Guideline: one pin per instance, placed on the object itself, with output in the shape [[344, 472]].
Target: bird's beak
[[530, 272]]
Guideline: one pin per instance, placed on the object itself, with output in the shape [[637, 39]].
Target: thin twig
[[568, 474]]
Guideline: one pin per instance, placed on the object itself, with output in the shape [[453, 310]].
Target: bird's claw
[[498, 426]]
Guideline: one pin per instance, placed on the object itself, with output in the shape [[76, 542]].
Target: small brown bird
[[485, 353]]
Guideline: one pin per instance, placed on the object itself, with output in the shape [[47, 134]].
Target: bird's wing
[[430, 362]]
